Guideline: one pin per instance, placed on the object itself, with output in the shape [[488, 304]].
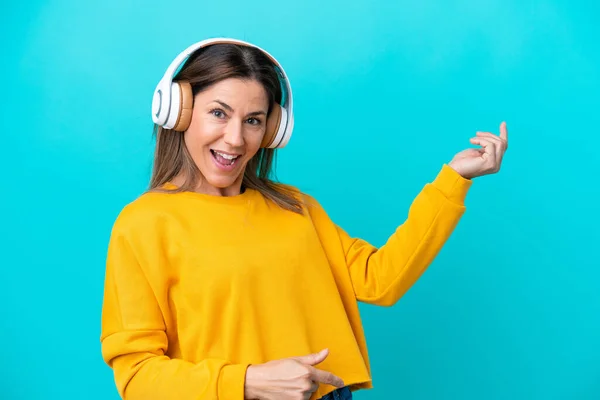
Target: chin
[[222, 181]]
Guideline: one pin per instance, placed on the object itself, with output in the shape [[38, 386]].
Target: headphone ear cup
[[186, 101], [273, 125]]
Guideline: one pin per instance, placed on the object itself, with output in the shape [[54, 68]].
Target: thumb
[[503, 130], [313, 359]]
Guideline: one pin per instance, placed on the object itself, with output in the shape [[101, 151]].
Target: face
[[227, 127]]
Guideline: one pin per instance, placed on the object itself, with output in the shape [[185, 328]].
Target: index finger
[[326, 377]]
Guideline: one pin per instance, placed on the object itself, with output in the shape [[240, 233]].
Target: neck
[[203, 187]]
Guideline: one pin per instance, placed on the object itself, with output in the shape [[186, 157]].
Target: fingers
[[493, 153], [313, 359], [489, 139], [500, 143], [314, 386], [328, 378], [489, 148], [487, 143], [502, 139], [317, 375]]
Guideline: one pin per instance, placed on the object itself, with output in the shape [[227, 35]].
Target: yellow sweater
[[198, 287]]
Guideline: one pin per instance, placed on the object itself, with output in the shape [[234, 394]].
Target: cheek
[[253, 141], [191, 143], [200, 134]]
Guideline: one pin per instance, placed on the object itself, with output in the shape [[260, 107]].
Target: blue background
[[385, 93]]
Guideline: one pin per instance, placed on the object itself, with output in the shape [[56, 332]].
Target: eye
[[217, 113], [254, 121]]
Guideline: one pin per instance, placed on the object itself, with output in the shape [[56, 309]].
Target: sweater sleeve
[[381, 276], [134, 341]]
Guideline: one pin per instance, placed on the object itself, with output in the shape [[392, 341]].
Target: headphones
[[173, 101]]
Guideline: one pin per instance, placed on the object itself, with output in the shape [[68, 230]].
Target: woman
[[222, 284]]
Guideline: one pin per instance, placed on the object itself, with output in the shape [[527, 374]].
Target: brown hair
[[203, 69]]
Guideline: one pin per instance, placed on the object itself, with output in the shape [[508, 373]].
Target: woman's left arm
[[382, 275]]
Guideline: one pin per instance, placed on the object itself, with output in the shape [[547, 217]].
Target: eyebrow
[[229, 108]]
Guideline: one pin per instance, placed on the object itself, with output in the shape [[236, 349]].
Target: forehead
[[235, 90]]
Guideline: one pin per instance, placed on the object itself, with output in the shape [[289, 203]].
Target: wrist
[[460, 172], [252, 384]]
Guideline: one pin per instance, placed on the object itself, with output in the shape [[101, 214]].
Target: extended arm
[[382, 275]]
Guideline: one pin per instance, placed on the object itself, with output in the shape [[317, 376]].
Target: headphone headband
[[165, 102]]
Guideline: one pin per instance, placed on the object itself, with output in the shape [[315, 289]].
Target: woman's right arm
[[134, 344], [134, 341]]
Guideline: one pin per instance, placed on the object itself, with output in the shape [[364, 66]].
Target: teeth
[[226, 156]]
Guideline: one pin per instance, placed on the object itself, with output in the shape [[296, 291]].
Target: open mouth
[[224, 159]]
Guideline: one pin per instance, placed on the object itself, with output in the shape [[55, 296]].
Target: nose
[[234, 134]]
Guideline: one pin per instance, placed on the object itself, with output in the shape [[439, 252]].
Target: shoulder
[[140, 214], [305, 198], [311, 206]]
